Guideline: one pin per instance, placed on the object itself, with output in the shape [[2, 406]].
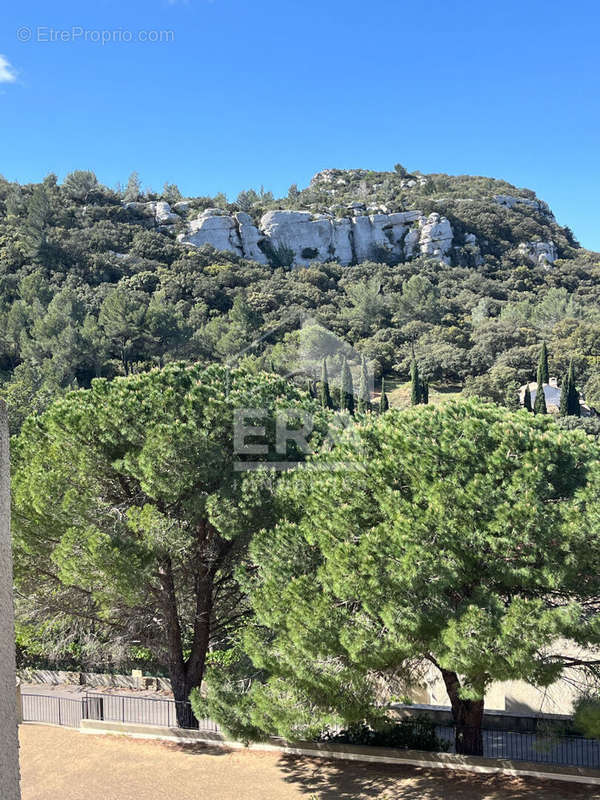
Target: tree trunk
[[468, 718], [187, 674]]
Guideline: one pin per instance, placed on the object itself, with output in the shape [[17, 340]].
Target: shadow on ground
[[342, 780]]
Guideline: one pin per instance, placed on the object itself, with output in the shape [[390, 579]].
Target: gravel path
[[62, 764]]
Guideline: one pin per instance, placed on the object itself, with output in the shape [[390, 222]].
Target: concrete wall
[[9, 753], [513, 696]]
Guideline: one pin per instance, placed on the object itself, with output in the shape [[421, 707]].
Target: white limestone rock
[[163, 214], [214, 227], [510, 201], [411, 241], [310, 238], [540, 253], [321, 237], [160, 211], [250, 236], [436, 237]]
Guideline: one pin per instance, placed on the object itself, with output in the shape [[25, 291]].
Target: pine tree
[[425, 391], [133, 188], [539, 406], [346, 391], [543, 373], [527, 399], [364, 398], [384, 403], [415, 385], [326, 401]]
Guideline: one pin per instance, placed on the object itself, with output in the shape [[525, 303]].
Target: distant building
[[552, 395]]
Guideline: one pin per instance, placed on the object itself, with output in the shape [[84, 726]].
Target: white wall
[[9, 754]]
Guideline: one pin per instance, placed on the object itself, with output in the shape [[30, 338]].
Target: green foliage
[[384, 403], [364, 397], [461, 323], [346, 389], [539, 405], [325, 394], [415, 733], [129, 512], [80, 184], [586, 716], [543, 373], [464, 536], [415, 384], [527, 399]]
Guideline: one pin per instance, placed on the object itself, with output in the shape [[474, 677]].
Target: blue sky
[[248, 93]]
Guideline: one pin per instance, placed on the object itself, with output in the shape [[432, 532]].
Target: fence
[[573, 751], [61, 710]]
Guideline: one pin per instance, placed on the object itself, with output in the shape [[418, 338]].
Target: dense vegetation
[[91, 288], [463, 536], [148, 558]]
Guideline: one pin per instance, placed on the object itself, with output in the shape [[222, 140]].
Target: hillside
[[468, 273]]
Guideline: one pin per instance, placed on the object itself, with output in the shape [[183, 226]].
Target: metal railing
[[538, 747], [541, 747], [61, 710]]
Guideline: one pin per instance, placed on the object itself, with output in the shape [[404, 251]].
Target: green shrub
[[417, 733]]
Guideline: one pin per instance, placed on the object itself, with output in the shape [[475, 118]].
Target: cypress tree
[[573, 405], [384, 403], [346, 389], [565, 391], [539, 406], [527, 399], [425, 391], [543, 373], [326, 401], [364, 399], [415, 385]]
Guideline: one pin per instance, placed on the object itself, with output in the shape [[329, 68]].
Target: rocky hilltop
[[322, 237], [352, 216]]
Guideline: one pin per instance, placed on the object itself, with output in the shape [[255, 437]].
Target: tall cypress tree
[[415, 384], [543, 373], [384, 403], [527, 399], [346, 389], [573, 404], [565, 391], [364, 398], [325, 394], [539, 406]]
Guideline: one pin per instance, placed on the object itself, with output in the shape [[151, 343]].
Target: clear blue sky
[[250, 93]]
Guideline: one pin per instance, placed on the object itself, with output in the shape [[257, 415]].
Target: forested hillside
[[91, 285]]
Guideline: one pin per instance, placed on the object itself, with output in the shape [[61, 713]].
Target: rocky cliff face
[[352, 216], [322, 237]]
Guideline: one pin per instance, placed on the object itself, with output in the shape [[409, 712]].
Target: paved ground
[[62, 764]]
